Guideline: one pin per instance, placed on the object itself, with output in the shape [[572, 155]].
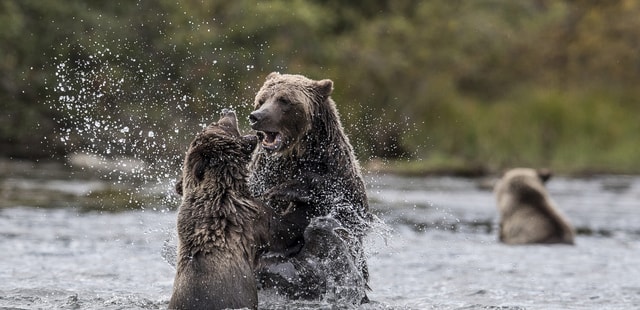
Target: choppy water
[[59, 250]]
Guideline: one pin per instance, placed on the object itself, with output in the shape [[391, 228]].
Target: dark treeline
[[483, 83]]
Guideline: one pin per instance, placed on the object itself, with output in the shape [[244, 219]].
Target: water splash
[[128, 120]]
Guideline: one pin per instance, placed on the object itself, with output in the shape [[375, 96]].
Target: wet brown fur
[[316, 172], [220, 226]]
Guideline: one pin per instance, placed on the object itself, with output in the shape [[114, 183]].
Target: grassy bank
[[576, 132]]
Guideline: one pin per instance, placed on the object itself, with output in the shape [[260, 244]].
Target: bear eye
[[284, 101], [259, 103]]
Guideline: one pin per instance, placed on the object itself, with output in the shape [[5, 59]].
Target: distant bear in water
[[220, 226], [527, 213], [305, 168]]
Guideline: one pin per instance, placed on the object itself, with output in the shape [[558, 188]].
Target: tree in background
[[488, 83]]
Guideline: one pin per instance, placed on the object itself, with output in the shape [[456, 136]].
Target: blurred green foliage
[[483, 83]]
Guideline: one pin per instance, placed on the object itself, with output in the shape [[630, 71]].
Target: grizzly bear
[[527, 213], [304, 168], [221, 228]]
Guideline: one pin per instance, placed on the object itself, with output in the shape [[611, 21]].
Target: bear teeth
[[271, 140]]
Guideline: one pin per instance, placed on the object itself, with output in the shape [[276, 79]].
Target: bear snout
[[255, 117]]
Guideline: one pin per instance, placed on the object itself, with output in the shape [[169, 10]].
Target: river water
[[65, 244]]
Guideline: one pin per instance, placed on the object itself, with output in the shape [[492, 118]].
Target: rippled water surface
[[60, 250]]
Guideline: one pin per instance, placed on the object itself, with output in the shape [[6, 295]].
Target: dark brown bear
[[220, 226], [527, 214], [305, 168]]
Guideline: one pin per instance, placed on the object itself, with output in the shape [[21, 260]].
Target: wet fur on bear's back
[[527, 214], [220, 226]]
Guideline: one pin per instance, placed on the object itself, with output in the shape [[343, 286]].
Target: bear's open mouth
[[270, 140]]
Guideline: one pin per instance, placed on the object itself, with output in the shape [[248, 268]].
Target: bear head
[[218, 152], [284, 109], [522, 184]]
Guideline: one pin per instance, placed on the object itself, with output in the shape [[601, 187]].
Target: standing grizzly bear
[[527, 213], [305, 168], [220, 226]]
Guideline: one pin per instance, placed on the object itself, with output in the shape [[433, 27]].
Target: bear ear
[[272, 75], [325, 87], [544, 174]]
